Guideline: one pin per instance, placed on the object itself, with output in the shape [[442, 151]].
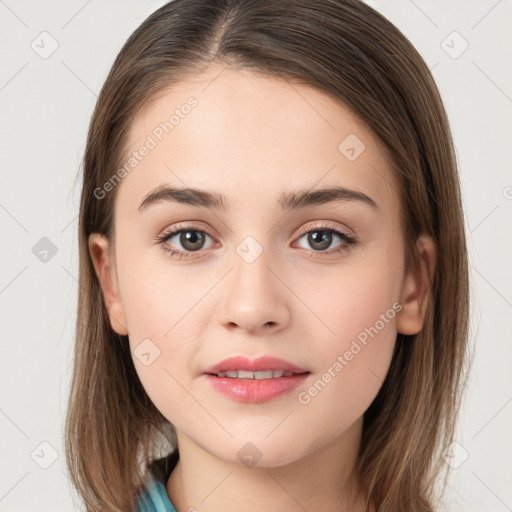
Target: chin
[[259, 454]]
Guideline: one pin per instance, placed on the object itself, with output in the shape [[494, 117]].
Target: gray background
[[46, 102]]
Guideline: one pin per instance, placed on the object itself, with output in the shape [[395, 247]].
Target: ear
[[98, 249], [415, 293]]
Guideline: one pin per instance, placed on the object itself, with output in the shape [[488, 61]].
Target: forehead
[[253, 136]]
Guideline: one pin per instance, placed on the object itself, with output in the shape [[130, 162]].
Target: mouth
[[255, 380], [247, 374]]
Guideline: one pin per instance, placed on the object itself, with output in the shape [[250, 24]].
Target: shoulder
[[153, 497]]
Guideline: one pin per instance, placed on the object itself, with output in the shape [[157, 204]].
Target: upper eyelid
[[329, 225]]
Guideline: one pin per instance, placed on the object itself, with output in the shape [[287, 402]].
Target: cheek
[[358, 307], [162, 316], [352, 297], [354, 363], [355, 353], [163, 343], [157, 299]]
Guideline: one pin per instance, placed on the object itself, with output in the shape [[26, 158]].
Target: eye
[[321, 238], [189, 238]]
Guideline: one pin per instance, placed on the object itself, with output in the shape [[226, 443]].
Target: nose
[[254, 299]]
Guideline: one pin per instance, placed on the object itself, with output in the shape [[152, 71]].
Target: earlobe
[[99, 252], [416, 289]]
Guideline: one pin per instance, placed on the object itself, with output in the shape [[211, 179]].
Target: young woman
[[273, 300]]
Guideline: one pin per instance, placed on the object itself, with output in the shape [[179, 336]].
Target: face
[[318, 282]]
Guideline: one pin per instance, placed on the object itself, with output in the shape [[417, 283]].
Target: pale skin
[[253, 138]]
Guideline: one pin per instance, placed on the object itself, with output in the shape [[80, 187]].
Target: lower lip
[[256, 390]]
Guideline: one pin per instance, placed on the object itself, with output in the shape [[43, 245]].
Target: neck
[[323, 480]]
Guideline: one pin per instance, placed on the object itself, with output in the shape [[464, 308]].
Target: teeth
[[245, 374], [262, 375]]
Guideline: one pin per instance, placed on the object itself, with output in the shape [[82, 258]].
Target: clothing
[[154, 496]]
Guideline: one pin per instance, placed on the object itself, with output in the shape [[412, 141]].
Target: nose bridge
[[254, 297], [252, 279]]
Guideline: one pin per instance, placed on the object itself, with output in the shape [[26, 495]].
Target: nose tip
[[254, 300]]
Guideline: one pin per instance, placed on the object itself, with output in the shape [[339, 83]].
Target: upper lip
[[259, 364]]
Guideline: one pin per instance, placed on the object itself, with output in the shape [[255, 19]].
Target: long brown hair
[[348, 50]]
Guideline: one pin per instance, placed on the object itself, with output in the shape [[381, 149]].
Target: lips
[[255, 380], [256, 366]]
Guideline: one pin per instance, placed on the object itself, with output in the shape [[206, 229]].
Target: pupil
[[189, 240], [324, 239]]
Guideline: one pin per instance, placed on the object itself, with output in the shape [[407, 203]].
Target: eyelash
[[349, 241]]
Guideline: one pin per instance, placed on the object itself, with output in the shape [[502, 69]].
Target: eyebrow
[[287, 201]]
